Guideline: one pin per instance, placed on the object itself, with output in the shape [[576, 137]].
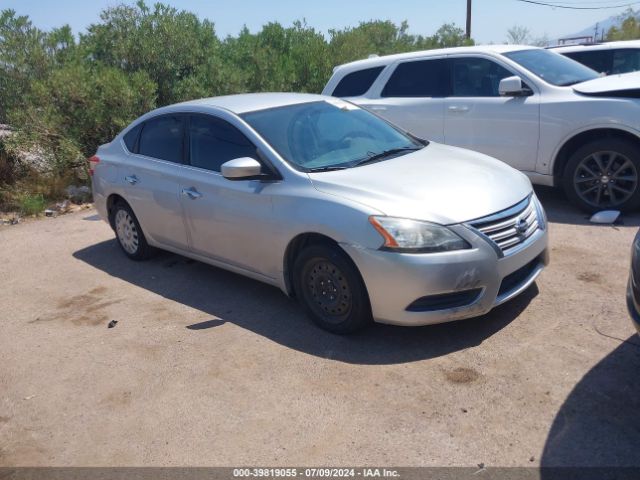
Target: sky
[[490, 18]]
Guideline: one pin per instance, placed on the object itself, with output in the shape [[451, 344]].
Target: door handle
[[192, 193], [458, 108], [131, 179]]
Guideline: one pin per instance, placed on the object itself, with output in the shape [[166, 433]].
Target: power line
[[556, 5]]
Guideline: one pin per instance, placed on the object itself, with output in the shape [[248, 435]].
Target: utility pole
[[468, 18]]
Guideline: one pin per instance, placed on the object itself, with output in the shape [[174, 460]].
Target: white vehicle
[[554, 119], [609, 58]]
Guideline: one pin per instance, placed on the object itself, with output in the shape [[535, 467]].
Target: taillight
[[93, 161]]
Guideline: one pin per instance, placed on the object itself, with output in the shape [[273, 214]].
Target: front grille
[[511, 227]]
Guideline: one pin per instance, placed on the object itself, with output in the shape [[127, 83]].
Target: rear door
[[478, 118], [151, 177], [413, 97]]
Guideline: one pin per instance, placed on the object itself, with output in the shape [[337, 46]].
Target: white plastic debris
[[605, 216]]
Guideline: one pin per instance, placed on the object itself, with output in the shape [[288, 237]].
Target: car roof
[[597, 46], [248, 102], [375, 61]]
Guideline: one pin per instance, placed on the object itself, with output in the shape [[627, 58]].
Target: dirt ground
[[208, 368]]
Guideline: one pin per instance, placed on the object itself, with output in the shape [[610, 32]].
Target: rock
[[77, 194], [50, 213], [112, 323]]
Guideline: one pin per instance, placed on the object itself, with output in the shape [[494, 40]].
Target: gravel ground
[[207, 368]]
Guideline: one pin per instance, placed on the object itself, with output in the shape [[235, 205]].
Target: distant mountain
[[603, 26]]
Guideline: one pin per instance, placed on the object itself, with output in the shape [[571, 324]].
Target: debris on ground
[[112, 323], [50, 213], [30, 397], [607, 217]]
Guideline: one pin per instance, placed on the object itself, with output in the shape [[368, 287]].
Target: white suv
[[544, 114], [609, 58]]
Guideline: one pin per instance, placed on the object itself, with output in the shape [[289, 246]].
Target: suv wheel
[[330, 289], [128, 232], [604, 174]]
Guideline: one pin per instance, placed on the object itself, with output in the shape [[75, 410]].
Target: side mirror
[[244, 168], [512, 87]]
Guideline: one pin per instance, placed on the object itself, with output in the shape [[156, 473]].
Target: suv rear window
[[357, 83], [598, 60], [422, 78]]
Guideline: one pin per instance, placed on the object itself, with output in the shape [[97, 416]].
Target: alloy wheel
[[605, 179]]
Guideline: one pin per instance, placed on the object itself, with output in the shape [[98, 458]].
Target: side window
[[163, 138], [421, 78], [213, 141], [476, 77], [131, 138], [625, 60], [598, 60], [357, 83]]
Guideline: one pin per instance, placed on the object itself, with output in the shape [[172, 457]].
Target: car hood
[[625, 84], [438, 183]]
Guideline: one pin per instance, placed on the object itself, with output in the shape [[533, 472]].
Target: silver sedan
[[356, 218]]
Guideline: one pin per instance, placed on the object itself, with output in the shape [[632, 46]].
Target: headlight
[[404, 235]]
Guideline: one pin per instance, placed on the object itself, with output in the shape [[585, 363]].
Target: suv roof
[[596, 46], [387, 59]]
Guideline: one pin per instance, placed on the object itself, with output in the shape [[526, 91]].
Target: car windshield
[[552, 67], [331, 134]]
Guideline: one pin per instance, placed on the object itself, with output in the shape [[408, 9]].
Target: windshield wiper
[[386, 153], [329, 168]]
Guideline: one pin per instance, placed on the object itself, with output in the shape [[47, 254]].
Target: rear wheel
[[330, 289], [604, 174], [128, 232]]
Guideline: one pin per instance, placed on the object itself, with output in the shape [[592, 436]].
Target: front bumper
[[395, 281]]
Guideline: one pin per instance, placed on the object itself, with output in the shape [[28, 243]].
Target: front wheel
[[604, 174], [330, 289]]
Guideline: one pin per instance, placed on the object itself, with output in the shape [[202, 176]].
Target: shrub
[[32, 204]]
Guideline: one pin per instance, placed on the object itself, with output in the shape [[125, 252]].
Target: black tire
[[331, 290], [604, 174], [129, 234]]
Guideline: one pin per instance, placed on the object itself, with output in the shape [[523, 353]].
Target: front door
[[228, 221]]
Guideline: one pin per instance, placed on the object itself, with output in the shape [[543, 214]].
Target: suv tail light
[[93, 161]]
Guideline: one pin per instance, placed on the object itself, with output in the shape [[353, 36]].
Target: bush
[[32, 204]]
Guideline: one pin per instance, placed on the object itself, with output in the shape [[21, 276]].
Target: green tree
[[27, 54], [629, 27], [75, 109], [169, 45]]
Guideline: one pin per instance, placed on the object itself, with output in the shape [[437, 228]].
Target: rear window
[[357, 83], [163, 138], [598, 60], [131, 138], [422, 78]]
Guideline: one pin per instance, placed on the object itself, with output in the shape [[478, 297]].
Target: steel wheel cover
[[127, 232]]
